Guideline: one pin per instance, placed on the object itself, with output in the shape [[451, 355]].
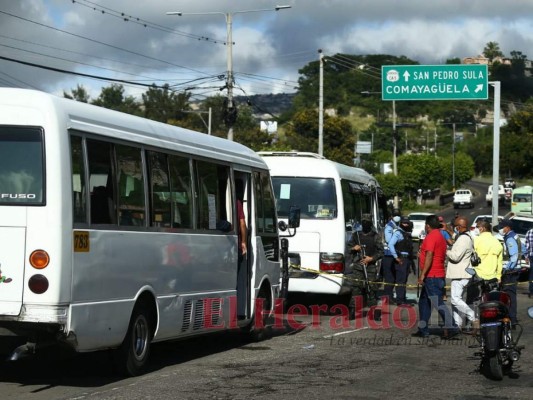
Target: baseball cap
[[505, 222]]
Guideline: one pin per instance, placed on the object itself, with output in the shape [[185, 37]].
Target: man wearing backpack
[[511, 268]]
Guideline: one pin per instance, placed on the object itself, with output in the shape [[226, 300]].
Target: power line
[[136, 20], [78, 73], [102, 43]]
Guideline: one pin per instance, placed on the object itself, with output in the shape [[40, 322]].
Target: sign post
[[434, 82]]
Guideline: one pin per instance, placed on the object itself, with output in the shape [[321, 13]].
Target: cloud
[[139, 42]]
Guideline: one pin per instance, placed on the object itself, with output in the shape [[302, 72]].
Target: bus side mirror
[[294, 217]]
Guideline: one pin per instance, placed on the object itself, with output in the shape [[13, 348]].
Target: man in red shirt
[[433, 278]]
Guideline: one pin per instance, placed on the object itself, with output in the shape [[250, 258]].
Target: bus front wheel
[[132, 356]]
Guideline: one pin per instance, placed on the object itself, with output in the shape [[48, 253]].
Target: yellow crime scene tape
[[349, 278]]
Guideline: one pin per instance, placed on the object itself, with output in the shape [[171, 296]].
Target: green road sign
[[434, 82]]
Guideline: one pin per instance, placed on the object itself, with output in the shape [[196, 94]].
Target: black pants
[[389, 275]]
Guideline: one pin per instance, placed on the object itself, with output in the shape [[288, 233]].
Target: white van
[[332, 198], [500, 195]]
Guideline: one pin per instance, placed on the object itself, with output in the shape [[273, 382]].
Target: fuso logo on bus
[[32, 196]]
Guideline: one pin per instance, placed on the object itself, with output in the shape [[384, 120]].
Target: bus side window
[[130, 186], [159, 189], [180, 192], [100, 182], [79, 206], [213, 192]]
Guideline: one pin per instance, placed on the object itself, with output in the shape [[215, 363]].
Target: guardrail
[[446, 198]]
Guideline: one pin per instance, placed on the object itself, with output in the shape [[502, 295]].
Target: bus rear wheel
[[132, 356]]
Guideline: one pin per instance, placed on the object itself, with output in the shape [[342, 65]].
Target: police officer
[[366, 248], [511, 267], [403, 247], [387, 265]]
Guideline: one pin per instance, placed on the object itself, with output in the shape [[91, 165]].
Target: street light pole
[[231, 110], [394, 149], [321, 104], [453, 159]]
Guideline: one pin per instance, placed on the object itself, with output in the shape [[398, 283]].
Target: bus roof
[[523, 189], [304, 164], [16, 104]]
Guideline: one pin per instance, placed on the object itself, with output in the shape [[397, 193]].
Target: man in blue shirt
[[511, 268], [392, 234]]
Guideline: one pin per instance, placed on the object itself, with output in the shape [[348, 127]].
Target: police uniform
[[511, 268], [404, 250]]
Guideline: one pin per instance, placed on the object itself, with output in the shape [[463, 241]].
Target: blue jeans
[[431, 297]]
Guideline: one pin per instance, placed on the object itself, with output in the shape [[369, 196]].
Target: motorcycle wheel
[[494, 366]]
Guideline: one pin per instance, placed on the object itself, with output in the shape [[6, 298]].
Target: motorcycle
[[498, 338]]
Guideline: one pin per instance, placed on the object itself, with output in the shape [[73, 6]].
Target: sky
[[137, 43]]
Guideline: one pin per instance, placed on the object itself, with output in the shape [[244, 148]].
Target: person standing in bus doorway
[[432, 277], [366, 248], [529, 249], [387, 265], [511, 268], [242, 238]]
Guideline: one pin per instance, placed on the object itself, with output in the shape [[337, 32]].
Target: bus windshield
[[315, 196], [21, 166]]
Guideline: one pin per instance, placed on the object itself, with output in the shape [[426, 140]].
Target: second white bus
[[332, 198]]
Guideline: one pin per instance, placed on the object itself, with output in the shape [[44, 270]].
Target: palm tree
[[492, 50]]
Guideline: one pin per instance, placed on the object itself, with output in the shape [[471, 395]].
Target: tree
[[113, 97], [492, 50], [391, 184], [338, 136], [419, 171], [78, 94], [163, 104], [464, 169]]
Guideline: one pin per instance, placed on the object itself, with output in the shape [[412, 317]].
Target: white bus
[[332, 198], [117, 231]]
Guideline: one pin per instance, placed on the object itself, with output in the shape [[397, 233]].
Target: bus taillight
[[39, 259], [38, 284], [332, 262]]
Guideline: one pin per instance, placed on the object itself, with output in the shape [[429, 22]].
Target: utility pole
[[321, 104], [231, 110], [394, 148]]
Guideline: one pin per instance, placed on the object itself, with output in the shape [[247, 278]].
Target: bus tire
[[259, 331], [132, 356]]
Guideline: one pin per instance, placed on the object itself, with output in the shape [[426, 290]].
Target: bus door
[[244, 273]]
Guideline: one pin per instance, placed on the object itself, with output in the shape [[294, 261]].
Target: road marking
[[344, 333]]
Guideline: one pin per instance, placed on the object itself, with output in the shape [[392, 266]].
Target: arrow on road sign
[[479, 88], [406, 76]]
